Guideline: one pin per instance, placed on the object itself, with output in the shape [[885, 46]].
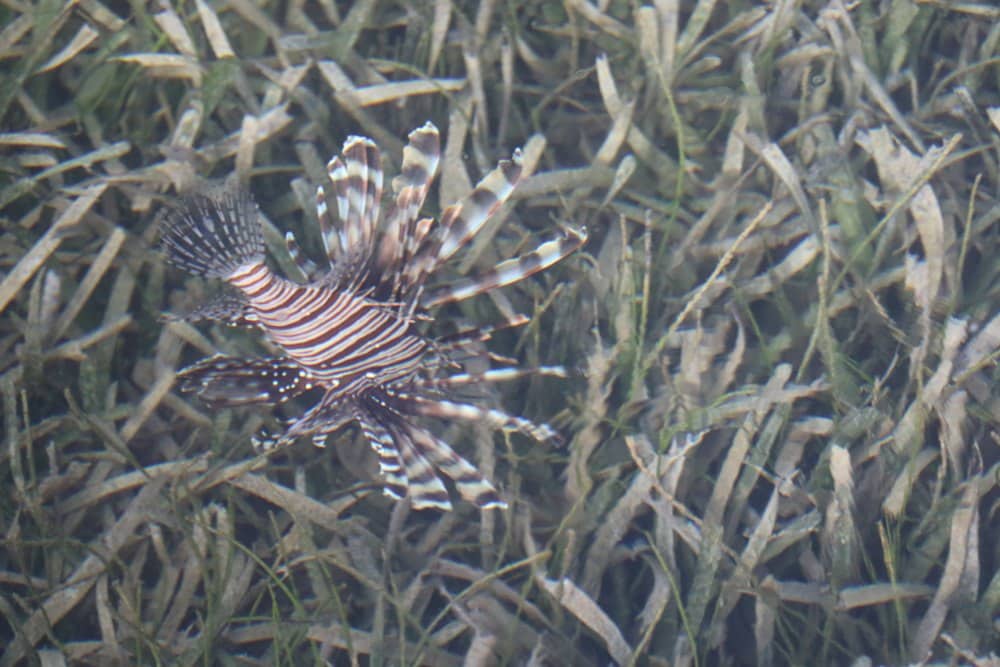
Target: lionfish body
[[353, 331]]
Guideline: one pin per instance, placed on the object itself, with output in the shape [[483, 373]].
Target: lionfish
[[354, 331]]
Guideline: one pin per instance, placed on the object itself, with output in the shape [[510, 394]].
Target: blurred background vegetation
[[782, 421]]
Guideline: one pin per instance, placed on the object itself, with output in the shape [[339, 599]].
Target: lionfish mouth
[[348, 334]]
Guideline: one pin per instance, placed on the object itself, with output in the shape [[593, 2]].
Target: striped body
[[357, 331], [333, 334]]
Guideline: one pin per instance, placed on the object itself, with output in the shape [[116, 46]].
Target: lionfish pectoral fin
[[506, 374], [213, 234], [479, 334], [469, 482], [229, 381], [426, 491], [404, 468], [390, 458]]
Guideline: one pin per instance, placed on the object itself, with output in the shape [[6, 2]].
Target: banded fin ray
[[480, 205], [479, 334], [469, 482], [450, 410], [304, 264], [507, 374], [425, 260], [390, 460], [356, 176], [460, 222], [421, 157], [506, 272], [425, 488], [409, 456]]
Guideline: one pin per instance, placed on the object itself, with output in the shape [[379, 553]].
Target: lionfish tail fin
[[213, 234]]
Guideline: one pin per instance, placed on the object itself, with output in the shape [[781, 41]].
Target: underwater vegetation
[[771, 368]]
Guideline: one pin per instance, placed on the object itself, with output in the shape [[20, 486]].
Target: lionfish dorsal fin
[[356, 179], [309, 270], [420, 162], [424, 260], [478, 207], [507, 272]]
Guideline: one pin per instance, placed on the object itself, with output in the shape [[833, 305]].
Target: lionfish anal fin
[[228, 381], [229, 309]]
